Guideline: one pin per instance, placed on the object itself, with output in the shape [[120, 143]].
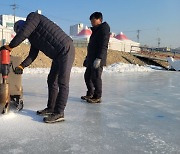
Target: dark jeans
[[93, 81], [58, 79]]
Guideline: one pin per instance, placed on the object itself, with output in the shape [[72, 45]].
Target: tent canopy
[[85, 32], [121, 36]]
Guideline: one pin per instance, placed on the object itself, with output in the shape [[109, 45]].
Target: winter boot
[[44, 112], [86, 97], [94, 100], [54, 117]]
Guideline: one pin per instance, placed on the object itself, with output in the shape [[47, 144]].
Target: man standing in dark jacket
[[96, 58], [44, 35]]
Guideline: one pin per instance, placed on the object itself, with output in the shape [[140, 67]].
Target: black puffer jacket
[[44, 35], [98, 44]]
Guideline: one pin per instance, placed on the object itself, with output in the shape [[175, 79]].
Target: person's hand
[[19, 70], [5, 47], [97, 63]]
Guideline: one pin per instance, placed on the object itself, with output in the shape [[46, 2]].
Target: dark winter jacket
[[98, 44], [44, 35]]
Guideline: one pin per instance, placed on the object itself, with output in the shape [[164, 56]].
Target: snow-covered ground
[[117, 67], [140, 113]]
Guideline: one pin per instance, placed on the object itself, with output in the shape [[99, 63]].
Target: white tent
[[122, 43], [115, 44], [82, 39], [119, 43]]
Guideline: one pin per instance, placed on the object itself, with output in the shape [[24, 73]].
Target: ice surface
[[140, 113]]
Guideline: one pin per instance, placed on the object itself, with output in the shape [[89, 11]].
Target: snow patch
[[36, 70], [121, 67], [9, 116], [155, 67], [117, 67]]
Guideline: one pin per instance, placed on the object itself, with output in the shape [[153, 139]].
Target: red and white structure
[[118, 42], [86, 32], [121, 43], [82, 38], [121, 36]]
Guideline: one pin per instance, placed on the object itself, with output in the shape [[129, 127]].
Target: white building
[[8, 20], [6, 28], [6, 35], [76, 29], [39, 11]]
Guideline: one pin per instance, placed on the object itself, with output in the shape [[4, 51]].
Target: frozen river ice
[[140, 113]]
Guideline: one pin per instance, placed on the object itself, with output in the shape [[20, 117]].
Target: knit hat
[[18, 25]]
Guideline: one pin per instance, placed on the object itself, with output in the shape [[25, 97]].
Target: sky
[[154, 18]]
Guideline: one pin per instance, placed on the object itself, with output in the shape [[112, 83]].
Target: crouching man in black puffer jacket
[[44, 35]]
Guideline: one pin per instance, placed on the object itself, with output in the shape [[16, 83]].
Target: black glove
[[19, 70], [2, 48], [5, 47]]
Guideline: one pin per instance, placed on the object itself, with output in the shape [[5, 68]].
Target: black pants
[[93, 81], [58, 79]]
